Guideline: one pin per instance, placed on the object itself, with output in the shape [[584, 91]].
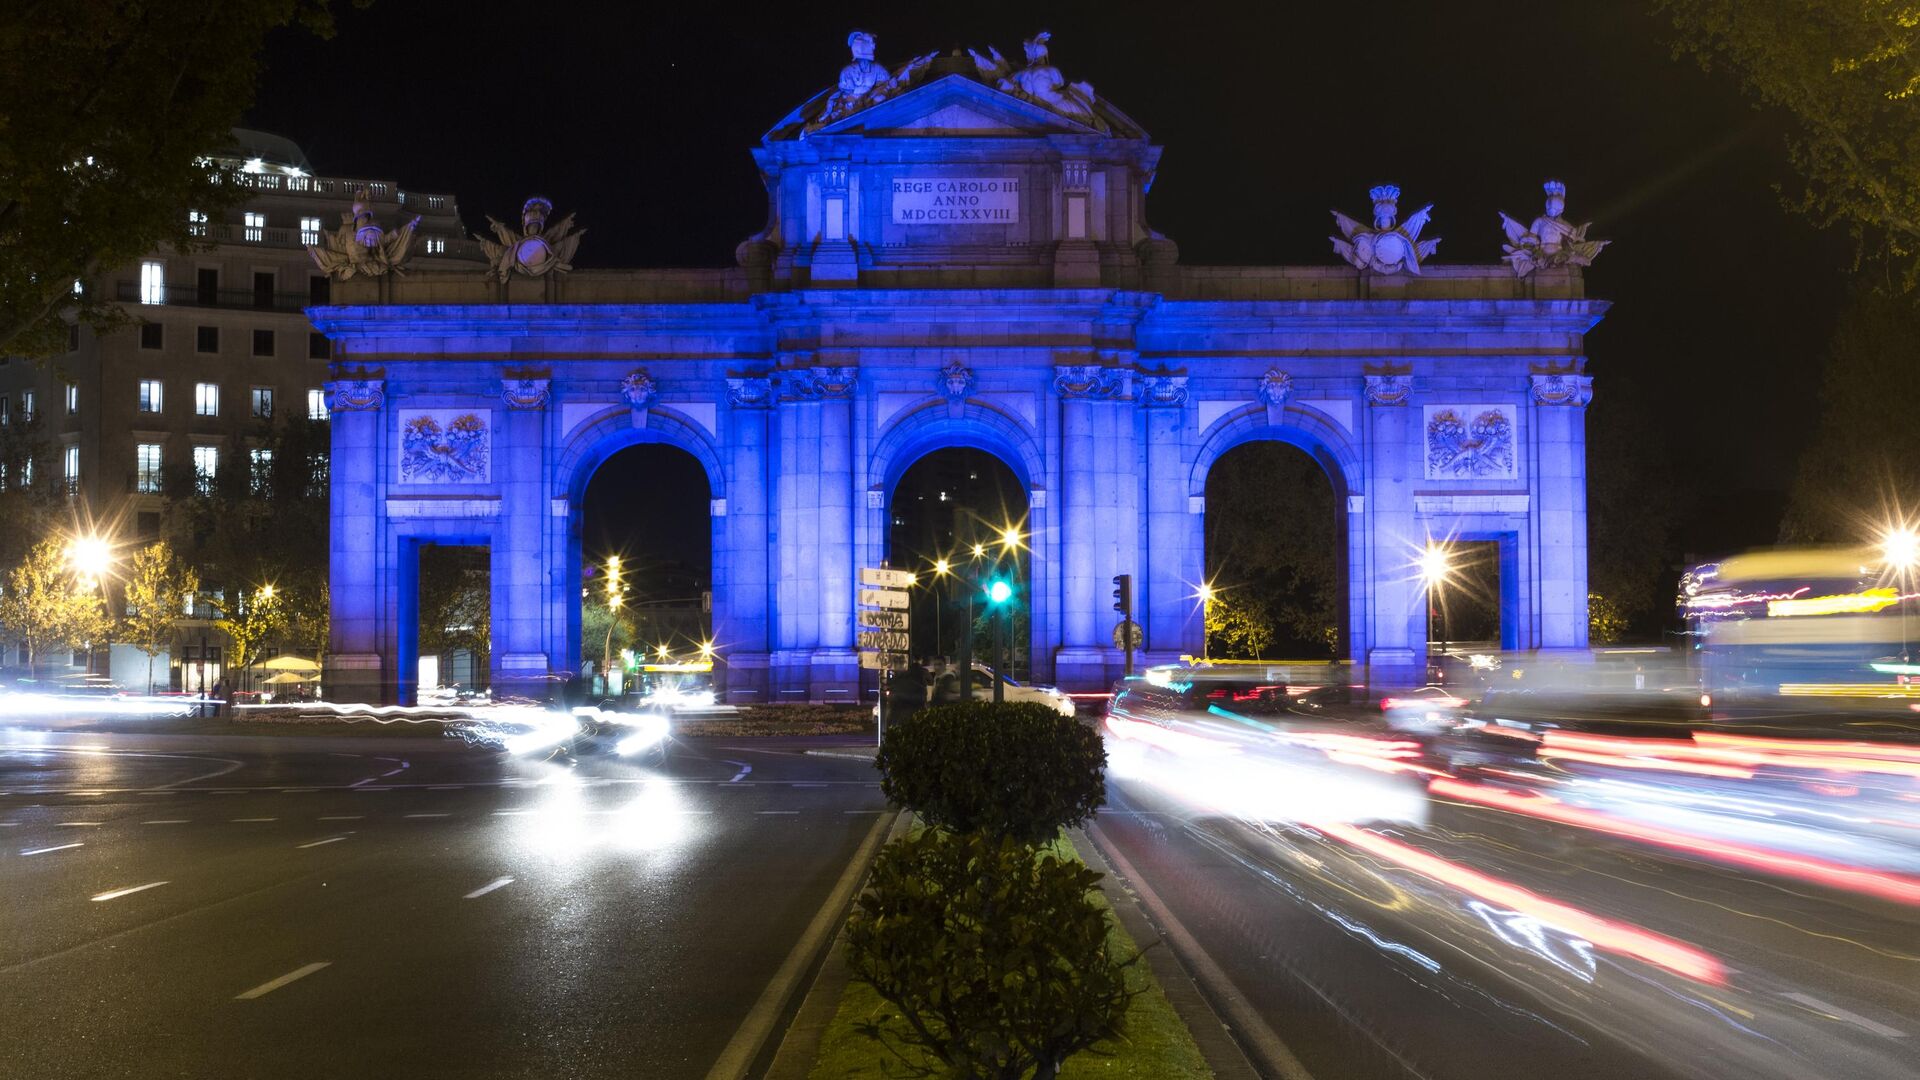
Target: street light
[[941, 568], [1436, 563], [1900, 549], [1205, 594], [998, 593], [1009, 538], [90, 557]]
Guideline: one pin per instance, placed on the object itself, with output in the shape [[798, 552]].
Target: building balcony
[[190, 296]]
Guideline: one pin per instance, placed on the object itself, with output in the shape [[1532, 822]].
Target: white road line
[[393, 772], [229, 791], [488, 887], [78, 824], [86, 793], [243, 820], [297, 790], [340, 817], [317, 843], [510, 813], [168, 821], [1838, 1013], [779, 811], [368, 780], [44, 850], [446, 787], [806, 785], [115, 894], [275, 984], [9, 824], [428, 815]]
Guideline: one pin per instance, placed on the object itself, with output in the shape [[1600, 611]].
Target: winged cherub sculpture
[[359, 246], [1551, 241], [1039, 81], [532, 249], [1385, 248]]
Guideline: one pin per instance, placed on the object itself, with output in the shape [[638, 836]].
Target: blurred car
[[611, 728], [1050, 696]]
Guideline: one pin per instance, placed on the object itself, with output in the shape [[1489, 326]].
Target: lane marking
[[340, 817], [297, 790], [317, 843], [744, 770], [428, 815], [44, 850], [240, 820], [115, 894], [228, 791], [510, 813], [9, 824], [806, 784], [483, 890], [86, 793], [78, 824], [1836, 1012], [275, 984], [753, 1032], [778, 811], [368, 780], [446, 787], [168, 821]]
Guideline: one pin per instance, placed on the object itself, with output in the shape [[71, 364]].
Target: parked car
[[1050, 696]]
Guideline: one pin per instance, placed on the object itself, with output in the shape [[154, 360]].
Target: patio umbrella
[[289, 663], [287, 677]]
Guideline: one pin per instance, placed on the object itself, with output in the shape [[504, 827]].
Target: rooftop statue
[[533, 249], [866, 82], [1384, 248], [1039, 82], [1551, 241], [359, 246]]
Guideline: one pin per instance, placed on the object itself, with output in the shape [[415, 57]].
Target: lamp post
[[1205, 594], [998, 593], [1436, 562], [1900, 548], [89, 557], [941, 568]]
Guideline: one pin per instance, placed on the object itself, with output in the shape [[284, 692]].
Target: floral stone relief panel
[[1472, 442], [446, 446]]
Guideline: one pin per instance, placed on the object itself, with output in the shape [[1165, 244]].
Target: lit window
[[146, 468], [197, 222], [79, 286], [263, 402], [26, 471], [206, 466], [436, 245], [153, 285], [206, 399], [71, 468], [150, 395], [73, 399], [26, 406], [6, 410], [261, 461], [316, 404], [309, 230], [256, 223]]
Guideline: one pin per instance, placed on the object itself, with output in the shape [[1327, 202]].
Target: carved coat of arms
[[1470, 442], [443, 448]]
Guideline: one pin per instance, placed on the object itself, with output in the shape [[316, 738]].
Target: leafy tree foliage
[[156, 592], [1847, 73], [262, 522], [993, 952], [28, 511], [604, 630], [46, 603], [1633, 501], [1861, 470], [1015, 769], [107, 108], [1272, 553], [456, 603], [250, 619]]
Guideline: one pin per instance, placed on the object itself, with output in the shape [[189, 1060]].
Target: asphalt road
[[1401, 947], [202, 907]]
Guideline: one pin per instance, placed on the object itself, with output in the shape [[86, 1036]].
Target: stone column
[[741, 619], [1392, 607], [835, 663], [1161, 601], [1090, 450], [1559, 483], [356, 634], [521, 587]]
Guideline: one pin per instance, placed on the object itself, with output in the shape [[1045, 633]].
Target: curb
[[801, 1043], [1221, 1051], [848, 754]]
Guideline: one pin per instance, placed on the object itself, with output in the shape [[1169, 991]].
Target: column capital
[[749, 392], [1562, 389], [817, 383], [1093, 382], [1163, 391], [526, 394], [356, 395], [1389, 390]]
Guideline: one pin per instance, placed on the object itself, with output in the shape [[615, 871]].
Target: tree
[[108, 109], [1847, 73], [456, 602], [156, 593], [46, 603], [1239, 626], [30, 500], [1860, 471], [250, 620], [1272, 545], [604, 631], [1633, 500]]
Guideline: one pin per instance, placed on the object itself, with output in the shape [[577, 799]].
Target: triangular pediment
[[955, 106]]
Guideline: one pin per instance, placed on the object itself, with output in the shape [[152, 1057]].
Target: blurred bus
[[1828, 624]]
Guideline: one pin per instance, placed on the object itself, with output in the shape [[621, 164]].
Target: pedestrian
[[219, 696]]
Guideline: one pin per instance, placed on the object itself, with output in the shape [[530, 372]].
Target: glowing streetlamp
[[1205, 594], [1436, 563], [979, 551], [941, 569], [1900, 550], [1010, 538], [266, 594], [89, 557]]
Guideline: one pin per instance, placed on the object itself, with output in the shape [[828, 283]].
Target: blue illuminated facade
[[873, 322]]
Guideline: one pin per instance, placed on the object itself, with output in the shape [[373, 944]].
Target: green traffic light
[[999, 592]]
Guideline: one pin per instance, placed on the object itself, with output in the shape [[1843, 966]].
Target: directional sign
[[882, 620], [885, 640], [883, 661], [883, 598], [1127, 635], [886, 579]]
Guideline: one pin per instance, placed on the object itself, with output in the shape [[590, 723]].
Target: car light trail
[[1894, 887], [1662, 952]]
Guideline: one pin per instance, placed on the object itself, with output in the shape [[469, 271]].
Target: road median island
[[1156, 1042]]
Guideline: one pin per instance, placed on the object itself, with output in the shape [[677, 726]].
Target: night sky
[[640, 118]]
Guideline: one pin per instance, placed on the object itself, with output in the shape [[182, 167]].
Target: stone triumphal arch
[[956, 254]]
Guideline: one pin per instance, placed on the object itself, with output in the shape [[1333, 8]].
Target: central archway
[[959, 517], [646, 551]]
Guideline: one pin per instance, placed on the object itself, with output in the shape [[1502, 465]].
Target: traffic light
[[1123, 594], [999, 592]]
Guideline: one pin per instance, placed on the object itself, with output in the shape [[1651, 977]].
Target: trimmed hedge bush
[[1017, 769], [993, 952]]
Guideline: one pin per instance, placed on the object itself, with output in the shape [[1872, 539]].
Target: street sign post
[[882, 612]]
